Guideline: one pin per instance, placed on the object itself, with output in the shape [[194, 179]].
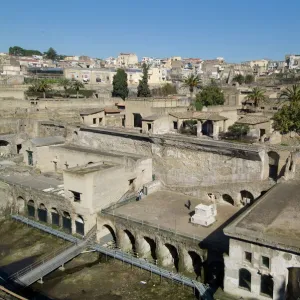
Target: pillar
[[142, 247], [199, 128], [215, 130], [163, 255], [73, 225], [124, 242]]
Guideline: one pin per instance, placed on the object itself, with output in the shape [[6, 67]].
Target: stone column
[[199, 128], [73, 224], [123, 240], [163, 254], [215, 130]]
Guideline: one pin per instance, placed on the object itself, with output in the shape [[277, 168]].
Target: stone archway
[[130, 238], [108, 234], [20, 205], [42, 213], [170, 255], [194, 263], [228, 199], [79, 224], [147, 247], [31, 209], [246, 197], [54, 216]]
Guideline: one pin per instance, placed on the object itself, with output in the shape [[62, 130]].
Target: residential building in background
[[127, 60]]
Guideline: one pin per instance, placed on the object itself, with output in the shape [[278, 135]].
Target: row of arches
[[51, 216], [165, 254]]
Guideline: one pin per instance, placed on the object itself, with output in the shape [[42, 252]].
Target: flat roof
[[91, 111], [47, 141], [252, 120], [166, 209], [90, 168], [274, 220]]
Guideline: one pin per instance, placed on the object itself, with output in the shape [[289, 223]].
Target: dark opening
[[137, 120], [149, 126], [123, 122], [207, 128], [112, 232], [79, 224], [174, 254], [94, 120], [245, 279], [262, 132], [228, 199], [100, 121], [132, 239], [248, 256], [67, 226], [55, 218], [265, 261], [197, 262], [3, 143], [19, 147], [42, 213], [273, 164], [76, 195], [30, 157], [247, 197], [267, 285], [293, 287], [152, 245], [175, 125], [31, 208]]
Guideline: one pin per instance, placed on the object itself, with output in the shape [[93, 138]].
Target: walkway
[[41, 268]]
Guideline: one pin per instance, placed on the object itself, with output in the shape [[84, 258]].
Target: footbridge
[[57, 259]]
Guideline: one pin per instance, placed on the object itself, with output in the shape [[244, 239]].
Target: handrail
[[11, 293]]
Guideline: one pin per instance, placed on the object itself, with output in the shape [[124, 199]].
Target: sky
[[237, 30]]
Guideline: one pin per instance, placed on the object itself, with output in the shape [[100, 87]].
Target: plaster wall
[[280, 261]]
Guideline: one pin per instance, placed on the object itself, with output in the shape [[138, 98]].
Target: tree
[[249, 79], [165, 90], [65, 83], [77, 85], [51, 54], [238, 130], [18, 51], [192, 82], [120, 85], [287, 118], [240, 79], [257, 95], [143, 88], [210, 95], [41, 86], [291, 94]]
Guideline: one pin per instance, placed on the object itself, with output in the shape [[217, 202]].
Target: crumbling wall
[[180, 165]]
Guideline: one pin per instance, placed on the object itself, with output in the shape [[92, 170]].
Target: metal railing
[[204, 291]]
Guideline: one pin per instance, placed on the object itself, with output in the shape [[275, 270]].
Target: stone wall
[[183, 163]]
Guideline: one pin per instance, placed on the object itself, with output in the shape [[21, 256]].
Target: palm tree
[[65, 83], [292, 94], [257, 95], [77, 85], [192, 82], [41, 86]]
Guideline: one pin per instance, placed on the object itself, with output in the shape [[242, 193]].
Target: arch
[[54, 216], [152, 246], [196, 262], [20, 204], [3, 143], [273, 164], [42, 213], [31, 208], [174, 255], [267, 285], [109, 232], [245, 279], [246, 197], [75, 132], [79, 224], [131, 237], [67, 222], [227, 198]]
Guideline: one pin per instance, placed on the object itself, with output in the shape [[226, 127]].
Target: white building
[[127, 60], [148, 60], [110, 61], [264, 250]]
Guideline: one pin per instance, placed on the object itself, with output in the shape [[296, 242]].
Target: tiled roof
[[252, 120], [198, 115], [91, 111]]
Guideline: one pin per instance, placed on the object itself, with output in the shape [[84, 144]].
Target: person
[[188, 204]]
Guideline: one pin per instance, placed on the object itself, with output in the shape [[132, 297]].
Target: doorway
[[30, 157]]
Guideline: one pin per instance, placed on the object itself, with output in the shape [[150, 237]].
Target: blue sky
[[234, 29]]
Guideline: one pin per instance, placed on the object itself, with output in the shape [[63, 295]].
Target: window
[[265, 261], [262, 107], [175, 125], [100, 120], [248, 256], [275, 108], [77, 196], [94, 120], [266, 285], [245, 279], [149, 126]]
